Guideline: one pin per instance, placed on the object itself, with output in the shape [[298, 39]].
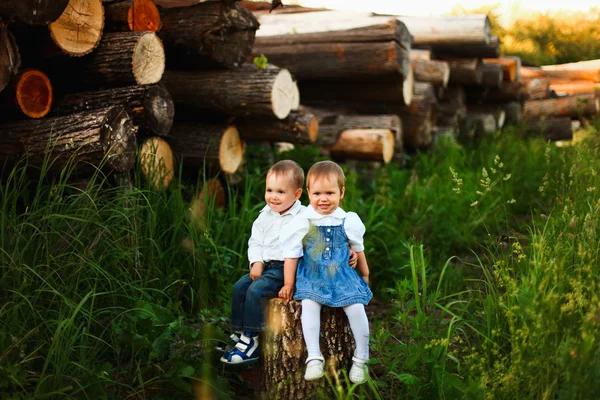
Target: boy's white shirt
[[264, 244], [291, 237]]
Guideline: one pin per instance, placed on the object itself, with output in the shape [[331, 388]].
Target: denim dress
[[323, 272]]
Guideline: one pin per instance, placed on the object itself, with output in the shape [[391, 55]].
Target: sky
[[507, 9]]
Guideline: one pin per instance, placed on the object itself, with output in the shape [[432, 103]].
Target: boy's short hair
[[285, 167], [326, 169]]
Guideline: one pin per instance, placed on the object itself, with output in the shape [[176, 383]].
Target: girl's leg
[[359, 323], [311, 326]]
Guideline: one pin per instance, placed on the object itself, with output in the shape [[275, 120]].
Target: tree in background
[[546, 38]]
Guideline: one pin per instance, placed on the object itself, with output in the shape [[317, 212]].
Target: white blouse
[[291, 237], [264, 241]]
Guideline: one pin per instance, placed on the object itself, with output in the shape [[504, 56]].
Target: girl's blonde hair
[[326, 169]]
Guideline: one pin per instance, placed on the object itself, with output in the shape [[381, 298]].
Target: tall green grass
[[485, 255]]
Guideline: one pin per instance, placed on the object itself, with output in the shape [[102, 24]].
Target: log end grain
[[143, 15], [365, 144], [79, 28], [148, 59], [313, 129], [282, 94], [295, 97], [159, 110], [156, 159], [118, 138], [231, 150], [34, 93], [408, 85]]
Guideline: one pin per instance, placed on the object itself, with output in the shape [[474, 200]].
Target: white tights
[[311, 328]]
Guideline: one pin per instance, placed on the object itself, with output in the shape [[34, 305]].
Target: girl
[[320, 234]]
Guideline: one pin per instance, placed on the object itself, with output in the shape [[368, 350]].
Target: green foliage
[[260, 61]]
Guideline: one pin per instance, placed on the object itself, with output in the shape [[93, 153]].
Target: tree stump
[[284, 351]]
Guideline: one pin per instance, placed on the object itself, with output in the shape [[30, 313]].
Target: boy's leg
[[262, 289], [238, 302]]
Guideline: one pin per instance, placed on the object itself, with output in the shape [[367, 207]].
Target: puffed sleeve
[[291, 236], [355, 230], [257, 238]]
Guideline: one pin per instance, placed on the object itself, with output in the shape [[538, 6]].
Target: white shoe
[[315, 370], [359, 371]]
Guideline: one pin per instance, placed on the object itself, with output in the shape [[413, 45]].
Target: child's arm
[[289, 278], [255, 248], [362, 267]]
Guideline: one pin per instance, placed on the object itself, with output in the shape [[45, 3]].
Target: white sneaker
[[359, 371], [314, 368]]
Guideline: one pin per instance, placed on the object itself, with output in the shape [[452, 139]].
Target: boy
[[251, 293]]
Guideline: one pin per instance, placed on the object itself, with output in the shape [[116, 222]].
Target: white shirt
[[263, 244], [291, 237]]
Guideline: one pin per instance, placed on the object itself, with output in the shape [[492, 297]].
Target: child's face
[[280, 193], [325, 194]]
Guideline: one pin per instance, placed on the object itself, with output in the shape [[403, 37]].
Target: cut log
[[242, 91], [34, 12], [325, 61], [30, 95], [133, 15], [511, 65], [448, 30], [295, 97], [498, 111], [10, 59], [209, 147], [513, 111], [551, 129], [122, 59], [479, 124], [371, 30], [536, 89], [364, 144], [417, 54], [156, 160], [490, 50], [79, 28], [417, 119], [284, 352], [509, 91], [492, 75], [299, 127], [572, 88], [451, 108], [467, 71], [395, 90], [574, 107], [101, 138], [434, 72], [150, 107], [207, 35], [584, 70]]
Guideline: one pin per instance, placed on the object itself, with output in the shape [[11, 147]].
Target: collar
[[295, 209], [311, 213]]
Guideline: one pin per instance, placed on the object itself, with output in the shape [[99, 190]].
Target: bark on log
[[448, 30], [299, 127], [150, 107], [10, 59], [467, 71], [511, 65], [156, 160], [418, 54], [479, 124], [79, 28], [34, 12], [551, 129], [29, 95], [509, 91], [490, 50], [434, 72], [513, 111], [395, 90], [104, 138], [574, 107], [242, 91], [503, 113], [584, 70], [325, 61], [210, 147], [492, 75], [451, 108], [133, 15], [184, 3], [417, 119], [284, 352], [572, 88], [208, 35]]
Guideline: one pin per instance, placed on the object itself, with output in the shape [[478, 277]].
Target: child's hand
[[286, 292], [256, 270], [353, 258]]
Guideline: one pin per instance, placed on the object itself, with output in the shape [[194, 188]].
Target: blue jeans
[[250, 297]]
